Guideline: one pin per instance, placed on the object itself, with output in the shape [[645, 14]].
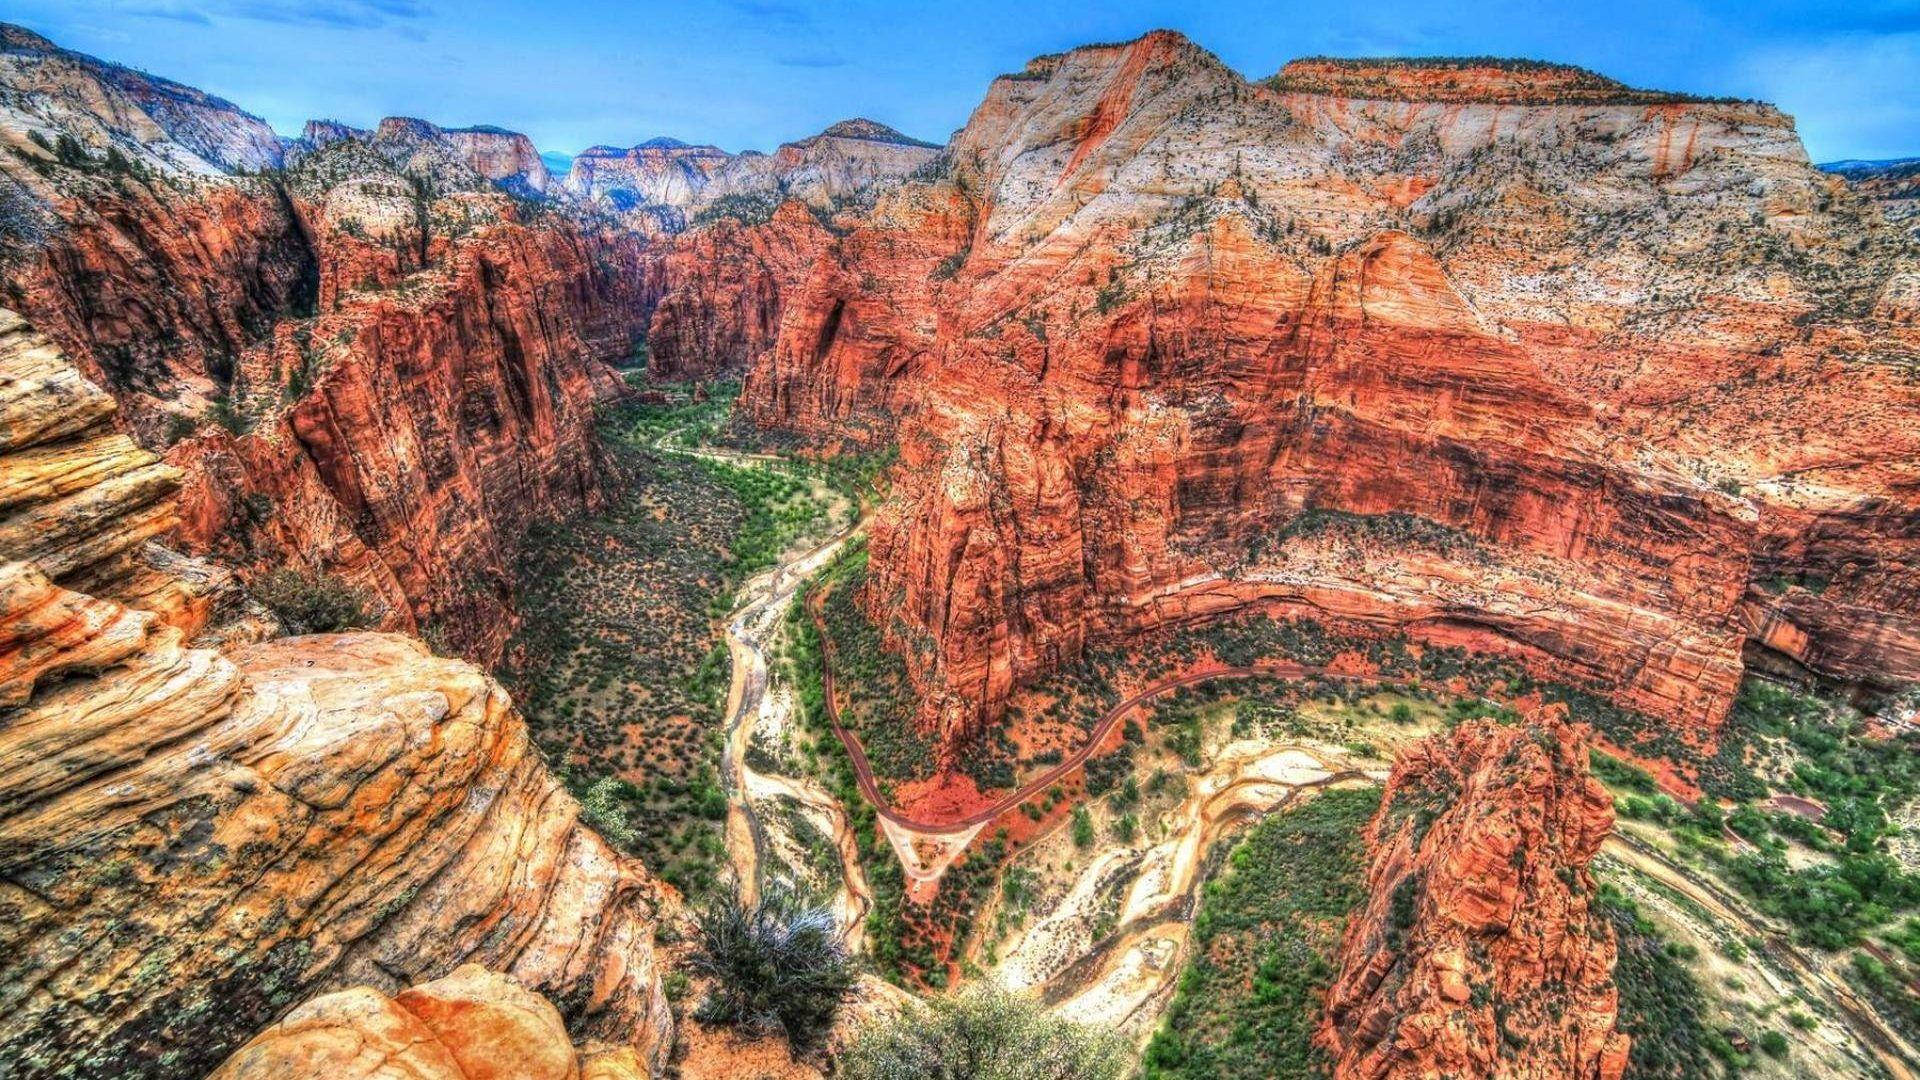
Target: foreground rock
[[1478, 953], [470, 1025], [191, 841]]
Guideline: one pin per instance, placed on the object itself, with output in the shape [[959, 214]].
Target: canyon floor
[[1102, 929]]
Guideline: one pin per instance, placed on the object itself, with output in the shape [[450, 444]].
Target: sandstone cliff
[[1477, 953], [1144, 318], [672, 184], [192, 841], [378, 365], [141, 114], [657, 173]]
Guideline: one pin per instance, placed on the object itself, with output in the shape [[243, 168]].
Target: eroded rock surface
[[1612, 367], [1478, 953], [380, 364], [192, 841], [470, 1025]]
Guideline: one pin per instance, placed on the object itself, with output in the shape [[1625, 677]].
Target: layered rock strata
[[376, 365], [192, 841], [470, 1025], [1624, 359], [1478, 952]]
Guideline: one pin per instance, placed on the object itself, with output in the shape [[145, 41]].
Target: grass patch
[[1263, 947]]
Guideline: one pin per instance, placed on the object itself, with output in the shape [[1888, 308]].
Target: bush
[[1082, 827], [984, 1034], [317, 603], [778, 965]]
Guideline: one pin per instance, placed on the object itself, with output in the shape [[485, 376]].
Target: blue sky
[[753, 73]]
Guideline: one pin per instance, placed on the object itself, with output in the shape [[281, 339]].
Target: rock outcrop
[[377, 365], [660, 172], [674, 184], [470, 1025], [1478, 953], [1144, 318], [1895, 185], [193, 840], [422, 149], [141, 115]]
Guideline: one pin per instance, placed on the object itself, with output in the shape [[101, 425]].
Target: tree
[[777, 965], [1082, 827], [983, 1034], [317, 603]]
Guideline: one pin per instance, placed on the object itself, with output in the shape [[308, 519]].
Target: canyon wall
[[664, 184], [1602, 373], [1478, 952], [192, 840], [377, 365]]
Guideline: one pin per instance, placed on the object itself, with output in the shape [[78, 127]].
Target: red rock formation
[[436, 431], [470, 1025], [191, 840], [1477, 953], [405, 365], [1152, 314], [722, 291]]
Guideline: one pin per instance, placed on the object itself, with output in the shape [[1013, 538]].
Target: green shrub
[[316, 603], [778, 965], [984, 1034], [1082, 827], [1263, 947]]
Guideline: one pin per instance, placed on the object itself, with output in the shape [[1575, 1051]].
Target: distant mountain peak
[[871, 131], [20, 39]]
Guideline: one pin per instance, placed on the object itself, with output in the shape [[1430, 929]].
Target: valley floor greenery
[[620, 665], [1263, 946]]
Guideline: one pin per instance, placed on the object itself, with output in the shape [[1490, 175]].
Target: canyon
[[1609, 390], [1155, 313]]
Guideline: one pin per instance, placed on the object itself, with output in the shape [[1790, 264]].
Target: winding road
[[751, 627], [863, 772]]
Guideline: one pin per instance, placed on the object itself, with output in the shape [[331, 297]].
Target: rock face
[[470, 1025], [1477, 953], [722, 291], [840, 163], [658, 172], [492, 154], [1145, 319], [378, 365], [197, 131], [192, 841], [677, 183], [1895, 185]]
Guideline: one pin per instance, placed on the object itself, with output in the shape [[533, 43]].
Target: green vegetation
[[877, 696], [316, 603], [1082, 827], [1263, 943], [1660, 1002], [804, 658], [983, 1034], [620, 665], [1885, 986], [1848, 884], [777, 966]]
